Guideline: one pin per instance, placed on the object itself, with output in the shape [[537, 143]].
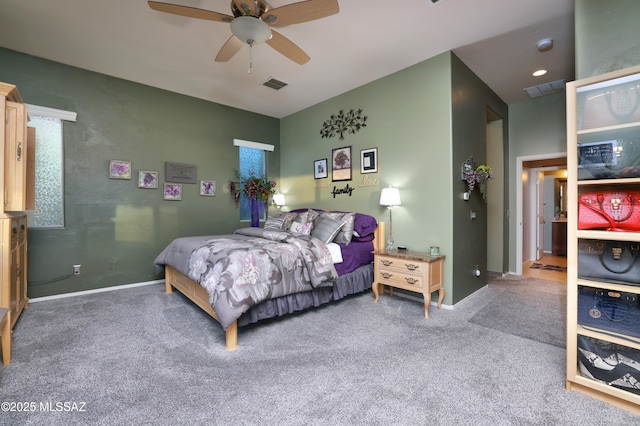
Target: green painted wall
[[470, 100], [112, 220], [606, 36], [423, 120]]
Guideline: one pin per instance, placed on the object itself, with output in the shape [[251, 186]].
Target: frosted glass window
[[252, 162], [49, 185]]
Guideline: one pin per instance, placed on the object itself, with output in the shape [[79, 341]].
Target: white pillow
[[336, 253]]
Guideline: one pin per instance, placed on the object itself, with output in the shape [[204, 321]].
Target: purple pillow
[[364, 225]]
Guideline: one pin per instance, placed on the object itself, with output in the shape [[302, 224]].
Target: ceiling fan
[[253, 20]]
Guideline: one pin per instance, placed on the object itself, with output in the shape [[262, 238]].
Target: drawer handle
[[386, 262], [411, 280], [15, 230], [411, 267], [22, 227], [386, 275]]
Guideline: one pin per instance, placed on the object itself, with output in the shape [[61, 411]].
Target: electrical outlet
[[76, 269]]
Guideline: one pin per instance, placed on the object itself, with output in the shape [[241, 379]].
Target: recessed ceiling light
[[539, 73]]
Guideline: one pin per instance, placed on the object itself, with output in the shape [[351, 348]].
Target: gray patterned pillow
[[346, 232], [326, 229], [274, 223]]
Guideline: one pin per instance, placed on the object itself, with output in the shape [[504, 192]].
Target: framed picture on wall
[[341, 164], [369, 160], [147, 179], [320, 169], [119, 169], [208, 188], [173, 191]]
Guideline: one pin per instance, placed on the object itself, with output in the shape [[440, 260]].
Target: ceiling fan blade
[[287, 48], [190, 12], [229, 49], [303, 11]]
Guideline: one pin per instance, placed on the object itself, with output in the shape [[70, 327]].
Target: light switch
[[472, 215]]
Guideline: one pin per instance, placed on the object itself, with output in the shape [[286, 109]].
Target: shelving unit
[[592, 119]]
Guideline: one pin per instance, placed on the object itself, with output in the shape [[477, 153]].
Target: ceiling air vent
[[274, 83], [545, 89]]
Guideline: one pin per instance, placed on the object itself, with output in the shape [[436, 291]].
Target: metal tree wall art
[[343, 123]]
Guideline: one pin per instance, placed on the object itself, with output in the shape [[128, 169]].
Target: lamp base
[[390, 243]]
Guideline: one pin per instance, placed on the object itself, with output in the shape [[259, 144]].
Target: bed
[[299, 260]]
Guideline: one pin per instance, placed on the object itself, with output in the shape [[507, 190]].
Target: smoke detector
[[545, 45]]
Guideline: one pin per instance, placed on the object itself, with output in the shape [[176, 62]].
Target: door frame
[[519, 202]]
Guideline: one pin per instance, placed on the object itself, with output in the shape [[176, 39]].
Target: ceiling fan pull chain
[[250, 58]]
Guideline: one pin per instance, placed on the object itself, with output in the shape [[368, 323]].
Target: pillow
[[346, 233], [336, 253], [312, 215], [288, 218], [301, 228], [327, 229], [364, 225], [274, 223]]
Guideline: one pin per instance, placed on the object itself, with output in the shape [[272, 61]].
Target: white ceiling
[[365, 41]]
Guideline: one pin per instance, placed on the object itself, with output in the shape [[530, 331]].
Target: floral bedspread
[[243, 269]]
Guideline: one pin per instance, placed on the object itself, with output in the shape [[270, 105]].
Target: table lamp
[[390, 197]]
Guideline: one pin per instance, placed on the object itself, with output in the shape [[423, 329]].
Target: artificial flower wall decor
[[480, 176], [351, 122]]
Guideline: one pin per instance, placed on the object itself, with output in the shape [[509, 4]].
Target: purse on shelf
[[613, 311], [610, 159], [609, 363], [610, 107], [609, 210], [611, 261]]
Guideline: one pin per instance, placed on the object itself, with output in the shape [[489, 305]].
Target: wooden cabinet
[[410, 270], [603, 155], [13, 261], [15, 149], [559, 238], [14, 160]]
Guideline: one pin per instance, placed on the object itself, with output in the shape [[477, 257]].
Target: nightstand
[[409, 270]]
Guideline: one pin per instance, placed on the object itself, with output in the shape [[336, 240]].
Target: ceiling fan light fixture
[[250, 30]]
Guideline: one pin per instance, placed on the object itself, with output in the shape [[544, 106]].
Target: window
[[49, 168], [253, 161]]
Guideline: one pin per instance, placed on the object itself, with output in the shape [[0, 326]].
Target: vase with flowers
[[256, 189], [480, 176]]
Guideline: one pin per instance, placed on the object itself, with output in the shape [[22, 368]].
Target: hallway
[[546, 274]]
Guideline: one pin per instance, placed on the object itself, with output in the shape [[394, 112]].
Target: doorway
[[531, 259]]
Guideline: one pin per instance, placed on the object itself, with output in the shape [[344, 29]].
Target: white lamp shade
[[250, 30], [278, 199], [390, 197]]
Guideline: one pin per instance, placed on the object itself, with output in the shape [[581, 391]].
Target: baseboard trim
[[97, 290], [411, 296]]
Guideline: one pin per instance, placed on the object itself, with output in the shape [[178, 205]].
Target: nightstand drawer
[[400, 279], [400, 265]]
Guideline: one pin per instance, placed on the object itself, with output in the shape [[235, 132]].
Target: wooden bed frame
[[198, 295]]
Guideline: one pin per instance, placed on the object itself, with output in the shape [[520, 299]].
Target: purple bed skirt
[[353, 282]]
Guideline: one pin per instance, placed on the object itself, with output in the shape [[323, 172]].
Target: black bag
[[611, 261], [609, 159], [614, 311], [609, 363]]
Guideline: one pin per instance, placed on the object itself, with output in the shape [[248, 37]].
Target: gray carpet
[[138, 356], [533, 309]]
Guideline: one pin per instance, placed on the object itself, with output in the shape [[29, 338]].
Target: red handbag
[[609, 210]]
